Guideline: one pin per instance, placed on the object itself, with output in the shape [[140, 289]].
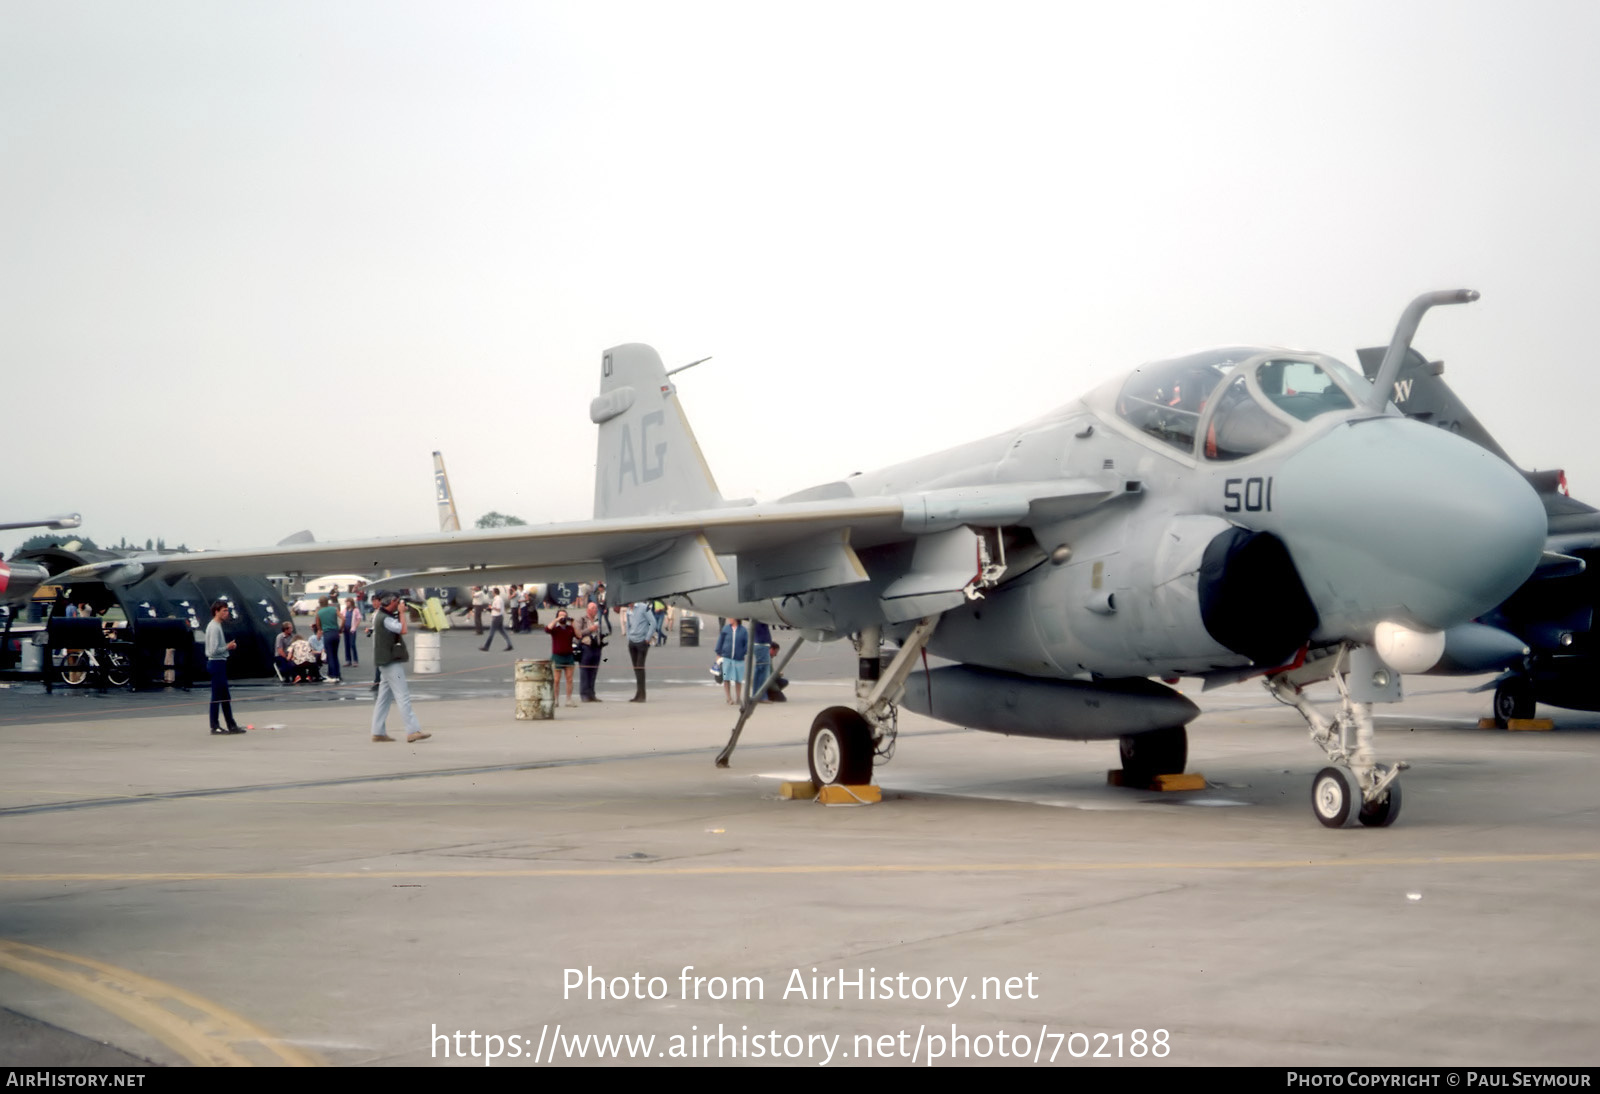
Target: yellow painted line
[[214, 1039], [646, 870]]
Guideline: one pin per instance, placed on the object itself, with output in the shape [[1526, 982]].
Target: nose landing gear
[[1356, 789]]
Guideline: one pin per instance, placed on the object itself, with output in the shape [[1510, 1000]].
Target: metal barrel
[[535, 691], [428, 656]]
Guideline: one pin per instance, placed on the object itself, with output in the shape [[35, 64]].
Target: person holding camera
[[563, 652], [590, 642], [389, 653]]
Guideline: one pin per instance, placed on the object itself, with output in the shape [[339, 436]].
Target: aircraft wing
[[792, 546]]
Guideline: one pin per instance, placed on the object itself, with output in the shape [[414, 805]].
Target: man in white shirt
[[480, 604], [497, 621], [217, 649]]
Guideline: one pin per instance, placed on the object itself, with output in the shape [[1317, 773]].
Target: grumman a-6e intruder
[[1241, 511]]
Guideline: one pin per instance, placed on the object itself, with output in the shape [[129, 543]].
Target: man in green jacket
[[389, 654], [328, 616]]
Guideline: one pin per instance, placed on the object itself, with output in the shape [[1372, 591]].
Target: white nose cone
[[1408, 651]]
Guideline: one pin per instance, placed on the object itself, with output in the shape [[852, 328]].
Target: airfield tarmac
[[302, 895]]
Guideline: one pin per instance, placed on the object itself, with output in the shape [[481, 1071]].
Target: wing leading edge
[[782, 547]]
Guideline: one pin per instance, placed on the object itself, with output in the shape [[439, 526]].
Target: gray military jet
[[19, 580], [1236, 512]]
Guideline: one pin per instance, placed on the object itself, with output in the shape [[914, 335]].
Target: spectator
[[563, 651], [389, 654], [732, 644], [761, 635], [374, 611], [641, 628], [591, 641], [480, 602], [328, 617], [280, 653], [349, 620], [775, 691], [217, 650], [305, 661], [497, 621]]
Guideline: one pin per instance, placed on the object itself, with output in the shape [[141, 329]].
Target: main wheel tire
[[1159, 752], [1334, 797], [1381, 814], [75, 668], [839, 749], [1514, 699]]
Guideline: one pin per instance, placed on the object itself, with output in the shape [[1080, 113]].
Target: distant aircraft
[[449, 521], [1543, 634], [20, 580], [1235, 512]]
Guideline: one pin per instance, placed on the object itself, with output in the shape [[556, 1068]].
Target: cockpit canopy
[[1235, 401]]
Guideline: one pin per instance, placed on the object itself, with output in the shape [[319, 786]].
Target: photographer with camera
[[389, 653], [591, 641]]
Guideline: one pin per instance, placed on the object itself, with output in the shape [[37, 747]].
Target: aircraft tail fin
[[647, 460], [1421, 393], [449, 520]]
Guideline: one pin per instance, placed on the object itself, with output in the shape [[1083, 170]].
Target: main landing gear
[[845, 742], [1158, 752], [1514, 698], [840, 748], [1356, 788]]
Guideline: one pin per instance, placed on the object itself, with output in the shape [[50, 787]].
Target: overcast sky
[[231, 233]]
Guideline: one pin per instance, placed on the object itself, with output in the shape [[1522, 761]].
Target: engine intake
[[1251, 597]]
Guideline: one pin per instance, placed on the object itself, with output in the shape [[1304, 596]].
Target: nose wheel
[[1336, 801], [1332, 795], [1381, 814]]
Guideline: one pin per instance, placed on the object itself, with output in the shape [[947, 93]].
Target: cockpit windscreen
[[1165, 398], [1244, 398]]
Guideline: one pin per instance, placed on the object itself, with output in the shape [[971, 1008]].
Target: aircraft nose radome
[[1388, 518]]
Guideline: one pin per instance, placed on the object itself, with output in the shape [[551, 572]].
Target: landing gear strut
[[845, 743], [868, 731], [1356, 788]]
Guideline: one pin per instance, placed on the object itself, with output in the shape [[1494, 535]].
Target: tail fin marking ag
[[647, 460]]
